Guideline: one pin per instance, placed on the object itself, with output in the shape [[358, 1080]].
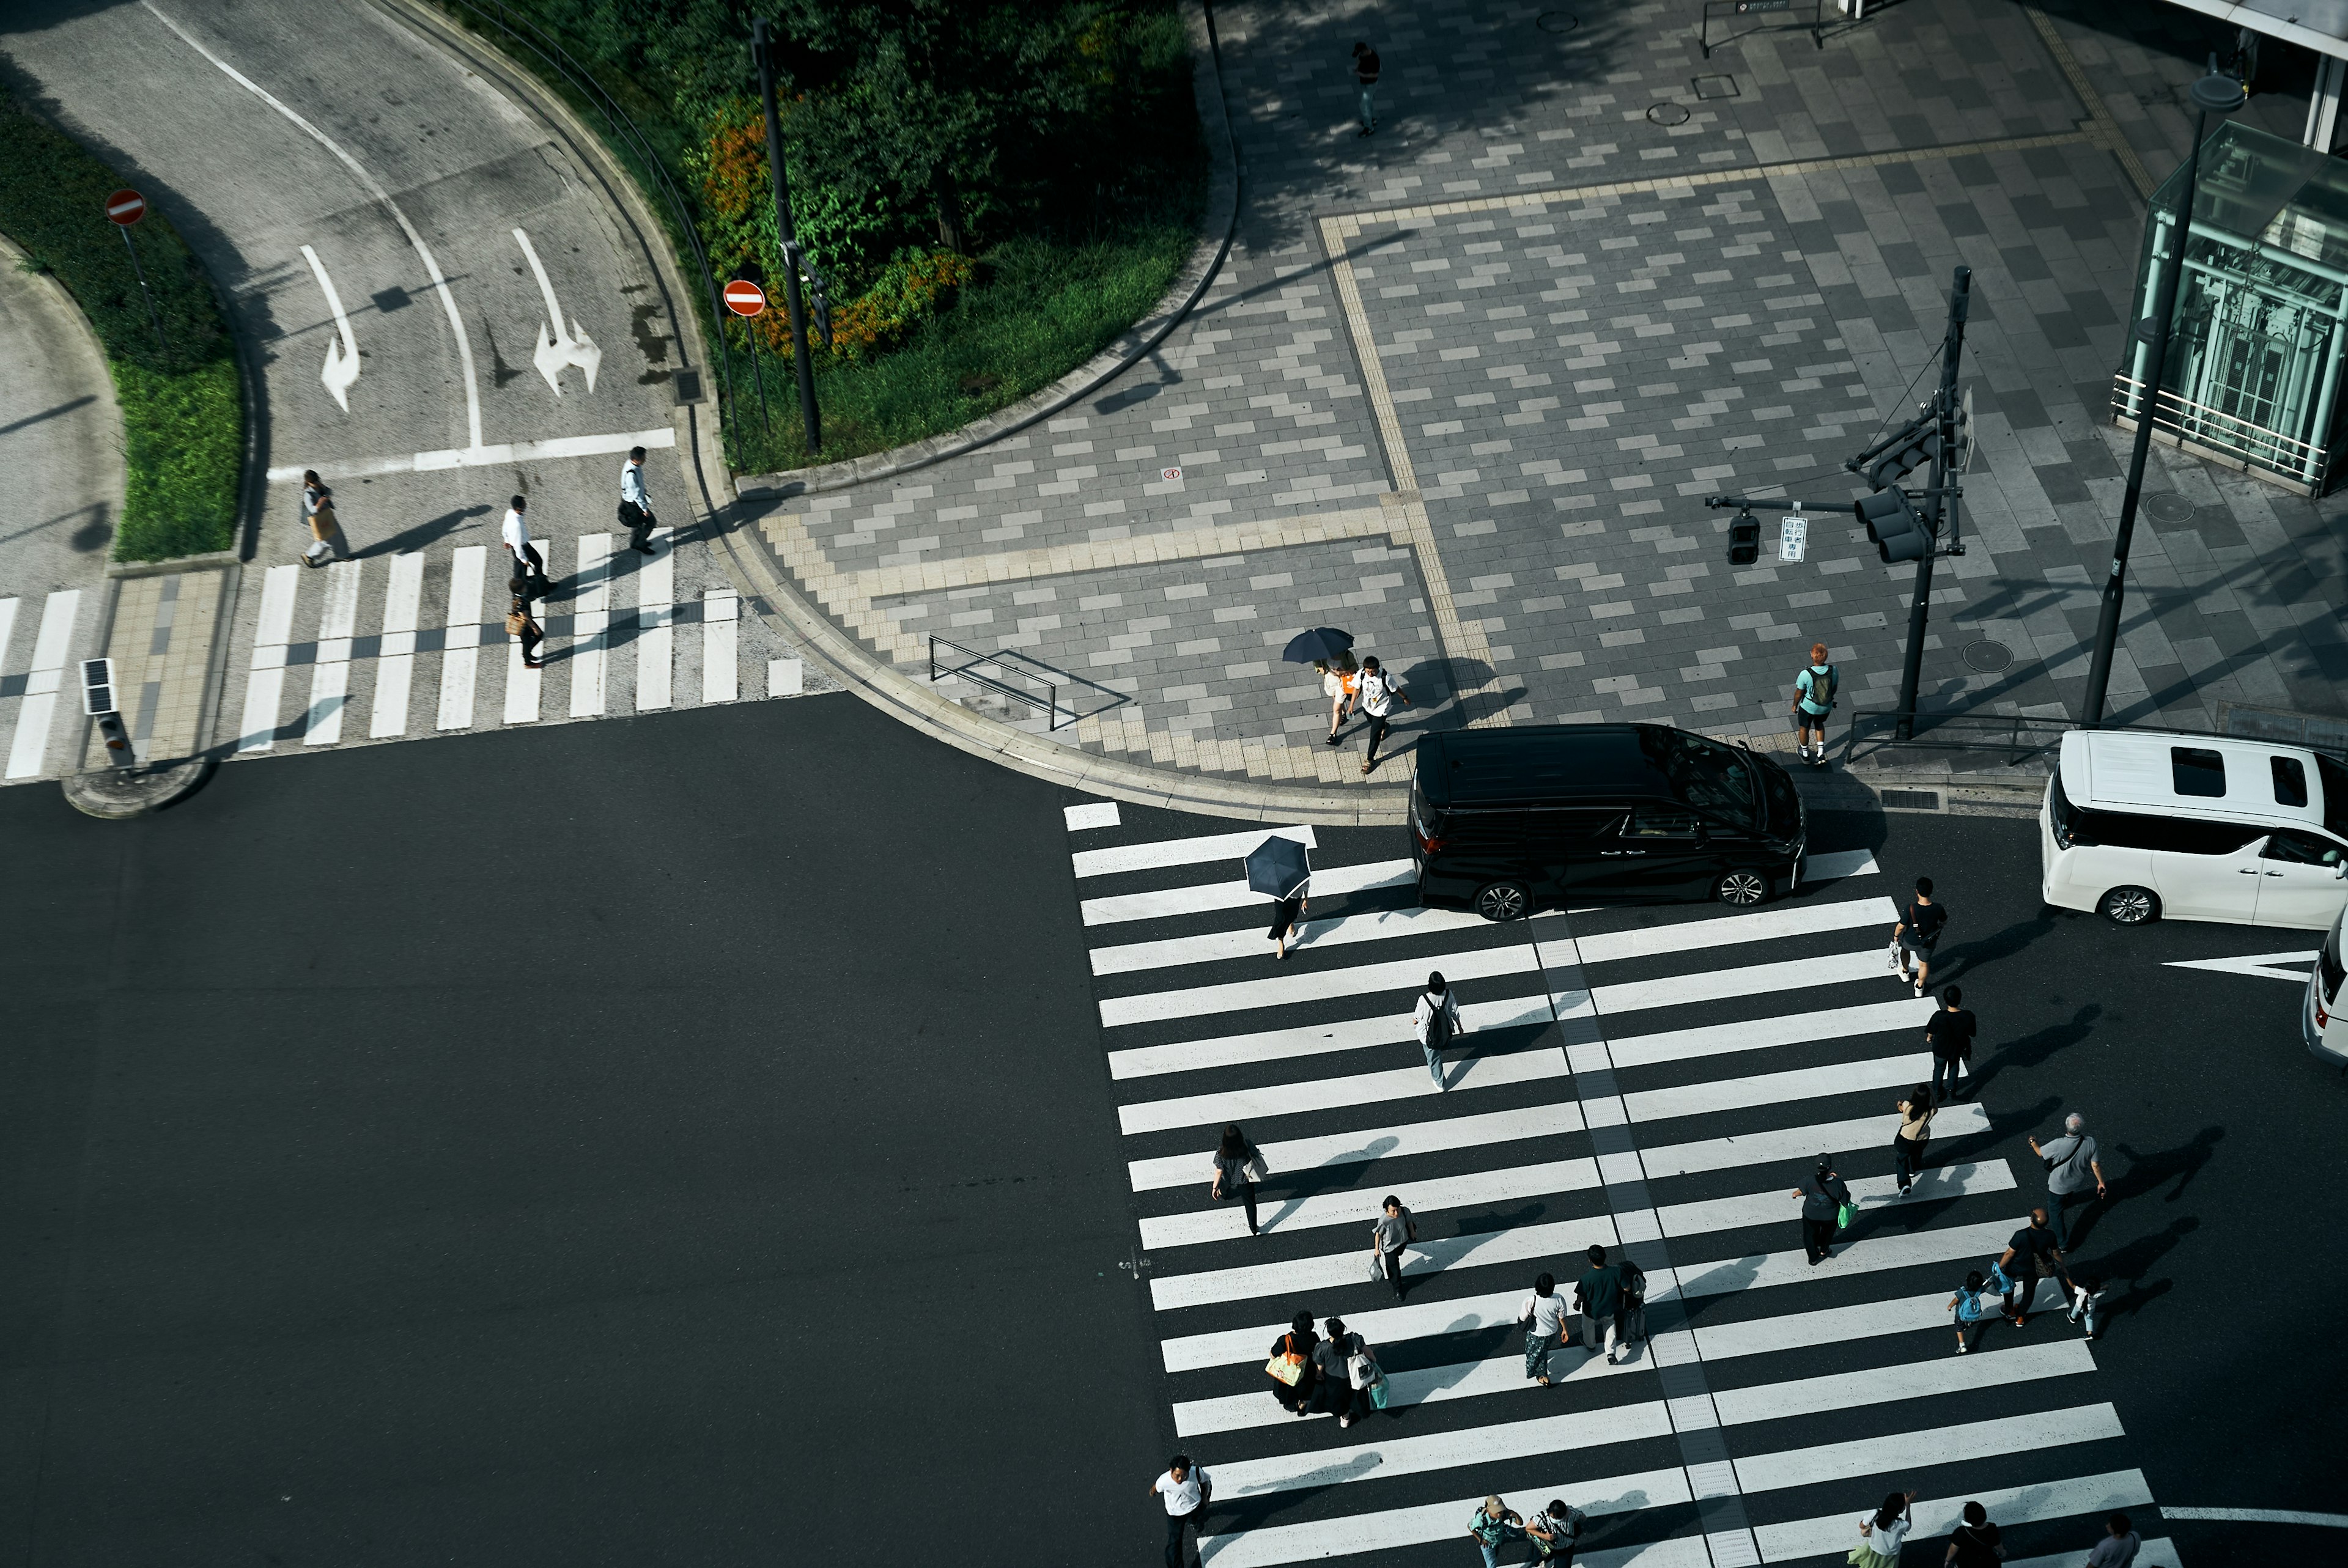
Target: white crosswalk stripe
[[1739, 1041]]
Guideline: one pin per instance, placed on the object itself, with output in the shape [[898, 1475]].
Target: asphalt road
[[693, 1143]]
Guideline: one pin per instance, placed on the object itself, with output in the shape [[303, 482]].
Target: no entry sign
[[744, 298], [126, 207]]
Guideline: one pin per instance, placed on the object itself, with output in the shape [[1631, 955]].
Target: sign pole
[[1943, 492], [758, 375], [123, 209]]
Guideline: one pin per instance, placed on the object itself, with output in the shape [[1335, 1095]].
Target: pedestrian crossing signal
[[1744, 539], [1898, 532]]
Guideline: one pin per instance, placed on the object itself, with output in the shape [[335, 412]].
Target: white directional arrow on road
[[558, 345], [342, 370], [2262, 965]]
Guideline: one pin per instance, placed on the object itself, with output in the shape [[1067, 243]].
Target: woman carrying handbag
[[1915, 1131], [1290, 1366], [325, 529], [1239, 1166]]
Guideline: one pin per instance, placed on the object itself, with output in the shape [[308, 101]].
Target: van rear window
[[2197, 769]]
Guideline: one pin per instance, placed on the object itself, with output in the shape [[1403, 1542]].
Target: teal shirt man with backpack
[[1814, 701]]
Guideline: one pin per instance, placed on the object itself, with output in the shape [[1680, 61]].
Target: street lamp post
[[762, 47], [2213, 94]]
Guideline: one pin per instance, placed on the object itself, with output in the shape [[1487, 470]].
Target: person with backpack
[[1186, 1490], [1390, 1232], [1556, 1533], [1825, 1198], [1494, 1525], [1814, 701], [1436, 1023], [1914, 1132], [1967, 1306], [1599, 1294], [1916, 934]]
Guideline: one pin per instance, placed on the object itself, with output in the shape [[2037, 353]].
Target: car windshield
[[1714, 778], [2336, 793]]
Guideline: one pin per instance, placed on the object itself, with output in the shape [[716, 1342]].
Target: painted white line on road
[[1312, 936], [493, 456], [786, 677], [1792, 977], [431, 267], [2160, 1552], [1834, 865], [394, 669], [1228, 1220], [1903, 1071], [1766, 926], [1092, 813], [1373, 1143], [1517, 1244], [1835, 1533], [1208, 897], [1316, 1540], [2258, 966], [1759, 1271], [1798, 1143], [558, 344], [1387, 1459], [1760, 1033], [590, 625], [342, 371], [1318, 1038], [7, 627], [1918, 1380], [720, 680], [460, 665], [28, 752], [264, 688], [330, 672], [1182, 851], [1285, 989], [1394, 1083], [2259, 1516], [656, 623]]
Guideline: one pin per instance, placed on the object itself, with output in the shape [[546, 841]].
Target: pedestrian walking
[[1556, 1533], [1630, 1314], [1435, 1021], [1598, 1295], [1343, 1391], [1365, 72], [1967, 1306], [637, 502], [2119, 1547], [1825, 1201], [1974, 1543], [1883, 1531], [1950, 1034], [1338, 679], [1285, 914], [1289, 1366], [326, 529], [2087, 1305], [1494, 1525], [1917, 933], [1543, 1314], [1375, 693], [519, 623], [2032, 1255], [1393, 1230], [1184, 1489], [1239, 1166], [1814, 701], [528, 562], [2072, 1172], [1914, 1132]]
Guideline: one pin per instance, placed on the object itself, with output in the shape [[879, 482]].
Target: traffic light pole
[[1944, 502], [762, 48]]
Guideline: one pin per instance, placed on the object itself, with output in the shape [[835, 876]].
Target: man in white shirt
[[1376, 695], [636, 502], [1185, 1489], [528, 562], [1436, 1021], [1543, 1314]]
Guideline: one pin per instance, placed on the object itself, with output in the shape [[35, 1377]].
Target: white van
[[2323, 1024], [2138, 823]]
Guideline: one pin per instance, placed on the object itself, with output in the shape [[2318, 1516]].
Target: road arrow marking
[[2262, 965], [342, 370], [557, 347]]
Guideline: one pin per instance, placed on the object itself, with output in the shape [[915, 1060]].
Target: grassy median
[[182, 412]]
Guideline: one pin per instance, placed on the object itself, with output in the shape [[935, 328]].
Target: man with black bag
[[1435, 1021], [637, 502]]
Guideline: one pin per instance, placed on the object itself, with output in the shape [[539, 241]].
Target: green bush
[[182, 415]]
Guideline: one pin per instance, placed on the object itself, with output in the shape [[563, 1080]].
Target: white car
[[2323, 1024], [2140, 824]]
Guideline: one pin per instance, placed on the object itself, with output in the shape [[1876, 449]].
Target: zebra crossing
[[465, 671], [40, 685], [1655, 1079]]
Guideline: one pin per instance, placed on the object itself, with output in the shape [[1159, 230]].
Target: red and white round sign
[[126, 207], [745, 298]]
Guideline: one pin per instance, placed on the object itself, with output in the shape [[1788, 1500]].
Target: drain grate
[[1911, 799], [1715, 87]]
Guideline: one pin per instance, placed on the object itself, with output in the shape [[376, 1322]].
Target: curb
[[118, 795], [1138, 340]]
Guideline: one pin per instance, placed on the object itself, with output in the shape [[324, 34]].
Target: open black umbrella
[[1277, 868], [1321, 642]]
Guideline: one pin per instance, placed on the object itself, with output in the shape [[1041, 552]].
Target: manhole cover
[[1987, 656], [1668, 114], [1557, 22], [2169, 506], [1715, 87]]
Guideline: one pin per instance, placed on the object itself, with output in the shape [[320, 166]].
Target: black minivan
[[1505, 821]]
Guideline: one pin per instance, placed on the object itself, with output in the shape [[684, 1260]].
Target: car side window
[[1659, 820], [2301, 848], [2289, 781]]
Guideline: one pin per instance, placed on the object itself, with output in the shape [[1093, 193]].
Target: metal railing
[[1009, 665], [2022, 736], [531, 35], [1816, 26], [2301, 461]]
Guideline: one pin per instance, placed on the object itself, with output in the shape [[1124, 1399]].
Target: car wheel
[[1504, 901], [1741, 888], [2129, 907]]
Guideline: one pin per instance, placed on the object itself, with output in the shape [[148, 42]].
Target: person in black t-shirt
[[2031, 1256], [1975, 1543], [1365, 72], [1950, 1033], [1915, 934]]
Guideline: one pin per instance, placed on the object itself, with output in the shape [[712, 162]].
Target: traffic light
[[1744, 538], [1913, 447], [1898, 532]]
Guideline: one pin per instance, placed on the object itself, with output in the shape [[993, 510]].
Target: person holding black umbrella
[[1278, 869], [1285, 912]]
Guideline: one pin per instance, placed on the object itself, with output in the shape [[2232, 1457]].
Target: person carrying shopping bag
[[326, 529]]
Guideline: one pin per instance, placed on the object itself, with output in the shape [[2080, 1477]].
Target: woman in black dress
[[1296, 1345], [1285, 913]]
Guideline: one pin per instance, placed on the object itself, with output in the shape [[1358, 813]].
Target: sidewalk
[[1461, 387]]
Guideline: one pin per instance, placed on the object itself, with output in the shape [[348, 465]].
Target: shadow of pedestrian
[[2032, 1049], [2130, 1263], [2183, 1163], [422, 535], [1967, 957]]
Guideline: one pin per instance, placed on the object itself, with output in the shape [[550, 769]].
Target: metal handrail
[[2170, 397], [543, 44], [1008, 660], [1882, 726]]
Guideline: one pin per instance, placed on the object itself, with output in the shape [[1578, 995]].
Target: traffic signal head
[[1898, 532], [1744, 538], [1917, 446]]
